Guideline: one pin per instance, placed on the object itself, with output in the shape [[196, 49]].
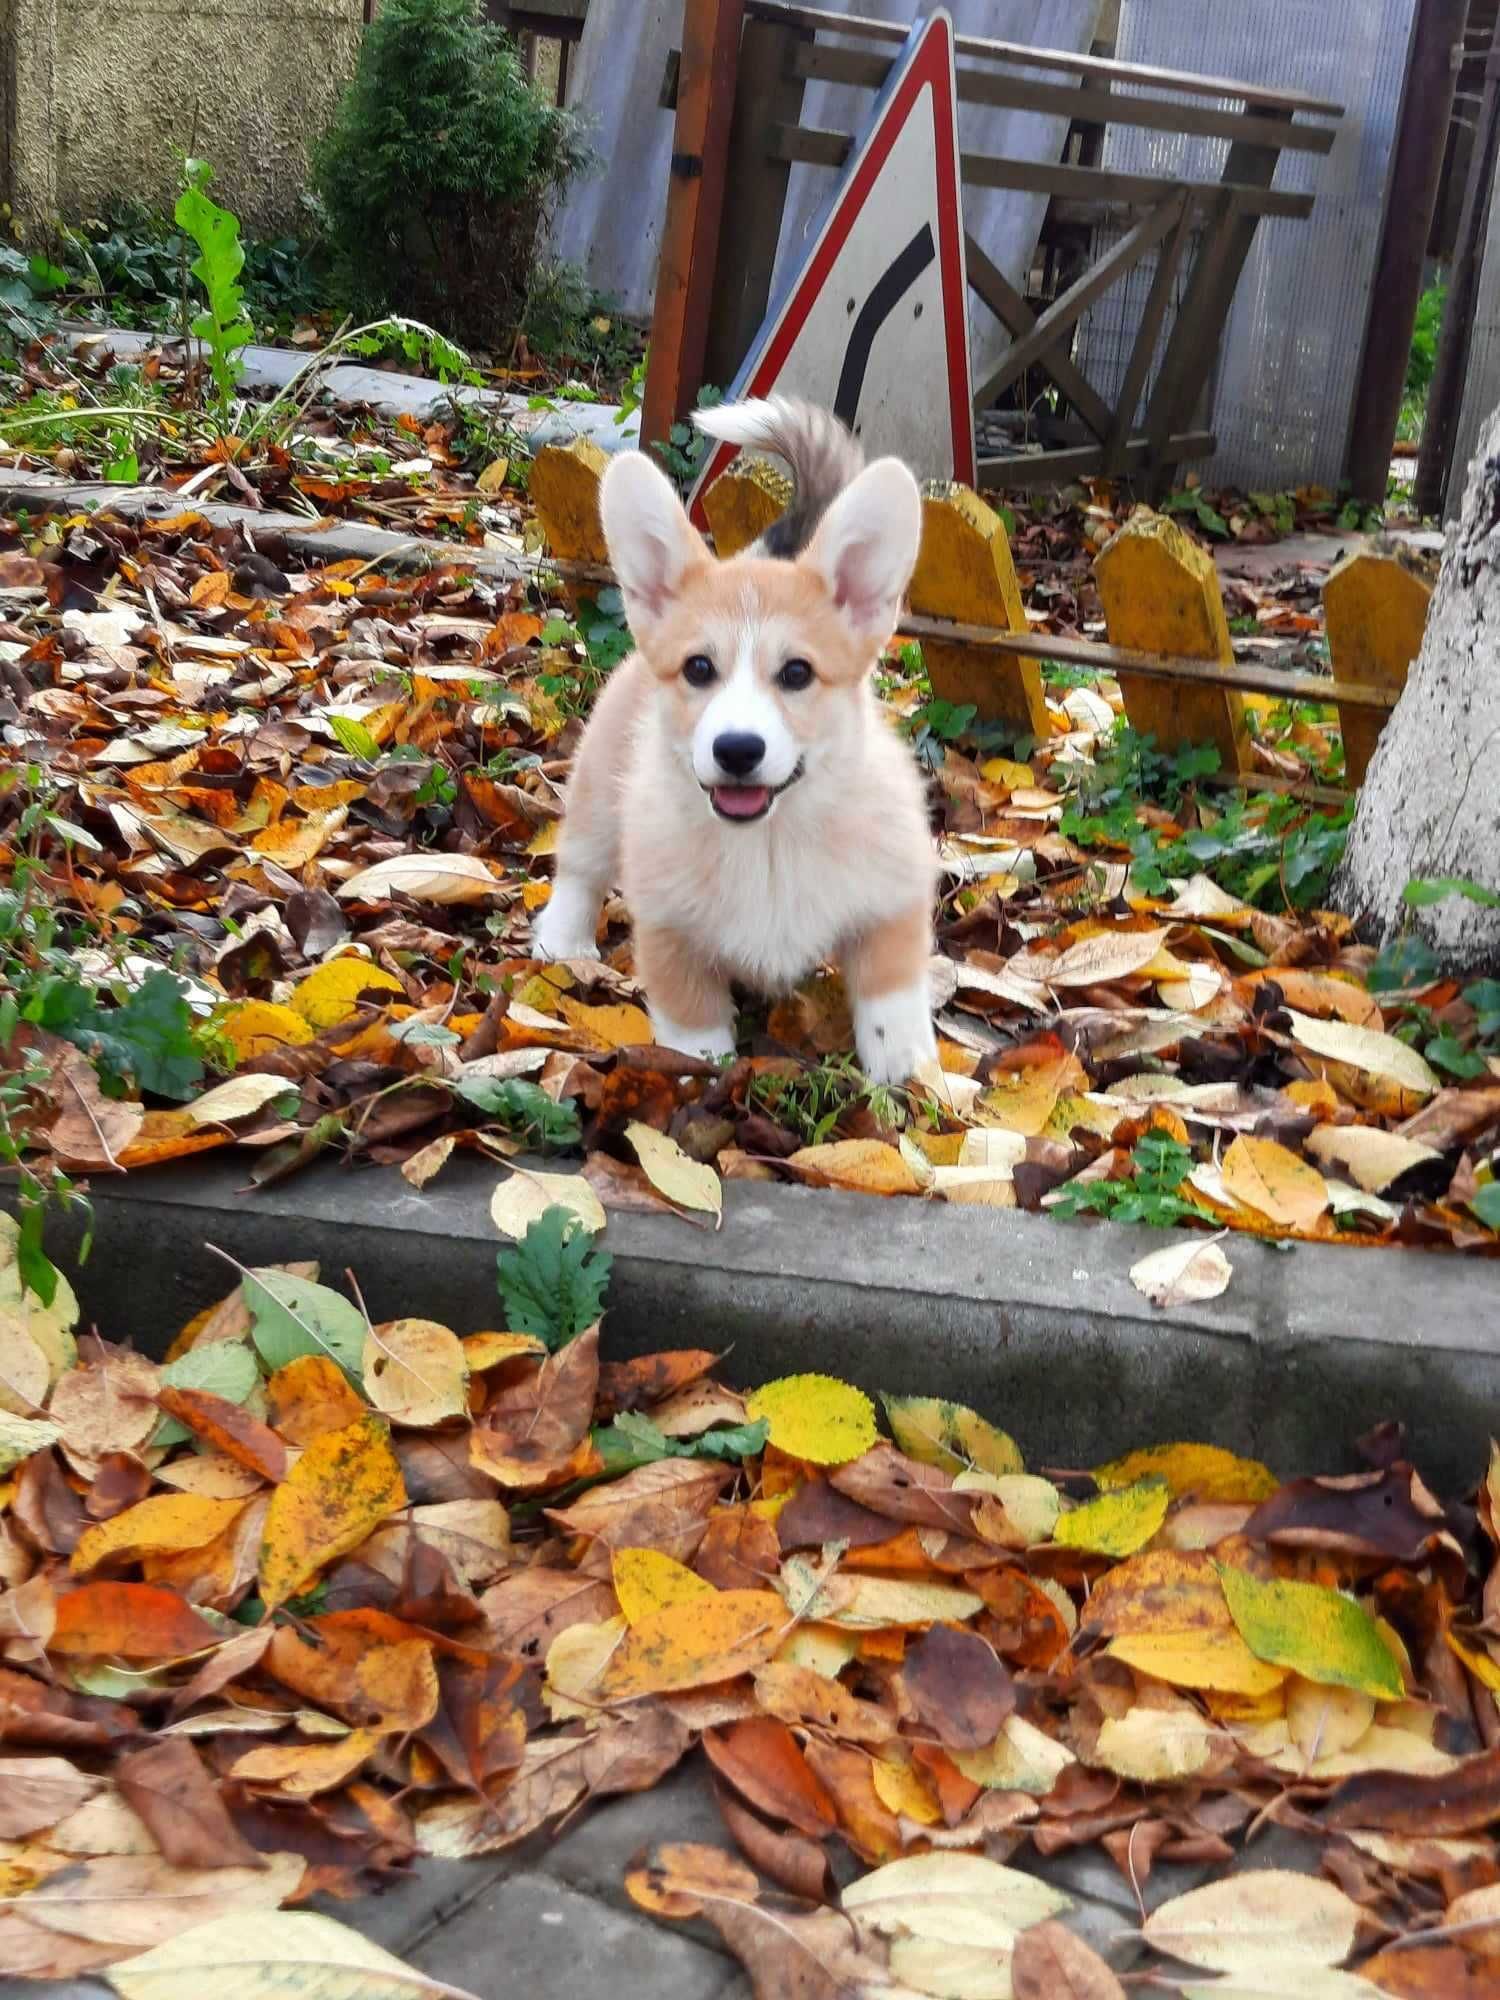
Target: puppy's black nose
[[738, 752]]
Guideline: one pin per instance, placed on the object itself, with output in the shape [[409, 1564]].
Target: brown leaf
[[664, 1506], [132, 1901], [958, 1687], [888, 1482], [37, 1792], [229, 1429], [739, 1550], [791, 1860], [760, 1758], [1389, 1514], [1050, 1963], [90, 1130], [168, 1787], [31, 1713], [105, 1406], [650, 1378], [818, 1513], [526, 1612], [868, 1824], [1463, 1800], [1437, 1969], [805, 1698], [348, 1666], [532, 1427]]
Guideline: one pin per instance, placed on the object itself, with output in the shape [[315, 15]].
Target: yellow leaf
[[1323, 1721], [1002, 771], [1371, 1157], [1193, 1471], [342, 1487], [1217, 1660], [414, 1371], [1267, 1177], [1116, 1524], [645, 1581], [816, 1417], [621, 1026], [487, 1350], [166, 1522], [868, 1166], [301, 1769], [695, 1643], [236, 1097], [1154, 1745], [685, 1182], [265, 1955], [953, 1898], [1484, 1669], [1022, 1758], [1321, 1634], [332, 993], [949, 1435], [24, 1373], [869, 1603], [1366, 1049], [257, 1027], [1260, 1915], [492, 479], [524, 1195], [426, 878], [901, 1790]]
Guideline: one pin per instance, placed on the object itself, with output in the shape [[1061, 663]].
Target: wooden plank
[[965, 566], [1143, 353], [1020, 54], [695, 203], [818, 148], [1083, 104], [1376, 613], [1008, 306], [1052, 327], [1241, 674], [1022, 469], [754, 194]]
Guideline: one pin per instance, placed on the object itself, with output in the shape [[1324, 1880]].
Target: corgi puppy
[[738, 779]]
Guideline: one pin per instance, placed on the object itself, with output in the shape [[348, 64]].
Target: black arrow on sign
[[886, 295]]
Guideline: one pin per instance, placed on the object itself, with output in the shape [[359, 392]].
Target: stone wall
[[98, 98]]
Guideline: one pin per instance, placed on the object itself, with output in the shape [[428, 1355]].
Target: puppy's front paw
[[568, 925], [893, 1034]]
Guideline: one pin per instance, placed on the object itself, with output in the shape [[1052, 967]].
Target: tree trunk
[[1430, 804]]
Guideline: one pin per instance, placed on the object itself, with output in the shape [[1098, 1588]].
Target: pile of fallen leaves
[[312, 1597], [273, 837]]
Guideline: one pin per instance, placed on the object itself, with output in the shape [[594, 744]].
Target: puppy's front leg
[[692, 1010], [885, 971]]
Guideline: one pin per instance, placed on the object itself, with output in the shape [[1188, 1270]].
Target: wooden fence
[[1169, 645]]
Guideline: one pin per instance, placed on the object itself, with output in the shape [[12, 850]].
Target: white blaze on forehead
[[742, 703]]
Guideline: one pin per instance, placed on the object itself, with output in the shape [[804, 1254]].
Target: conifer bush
[[438, 170]]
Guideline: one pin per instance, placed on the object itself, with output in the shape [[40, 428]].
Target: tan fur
[[841, 867]]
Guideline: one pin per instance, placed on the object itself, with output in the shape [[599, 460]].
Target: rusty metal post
[[1411, 193]]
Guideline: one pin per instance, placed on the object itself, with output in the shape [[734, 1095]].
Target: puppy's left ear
[[866, 546]]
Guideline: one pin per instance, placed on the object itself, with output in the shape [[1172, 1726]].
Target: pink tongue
[[741, 801]]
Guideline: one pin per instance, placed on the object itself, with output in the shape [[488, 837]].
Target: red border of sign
[[929, 60]]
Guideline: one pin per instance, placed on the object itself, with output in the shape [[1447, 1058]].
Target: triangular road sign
[[875, 323]]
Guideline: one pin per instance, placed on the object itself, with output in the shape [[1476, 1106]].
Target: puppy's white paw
[[893, 1034], [567, 926], [712, 1043]]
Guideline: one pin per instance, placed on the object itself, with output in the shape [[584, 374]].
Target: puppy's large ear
[[866, 547], [652, 544]]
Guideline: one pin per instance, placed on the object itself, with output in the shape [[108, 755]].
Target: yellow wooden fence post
[[965, 572], [1161, 595], [1375, 604], [744, 501], [565, 492]]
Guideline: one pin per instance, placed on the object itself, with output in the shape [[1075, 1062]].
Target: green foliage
[[438, 168], [224, 326], [1486, 1205], [1149, 1195], [1425, 889], [632, 1441], [525, 1111], [553, 1281], [1192, 500], [1425, 334], [812, 1102]]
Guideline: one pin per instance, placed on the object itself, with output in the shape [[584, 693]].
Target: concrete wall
[[98, 96]]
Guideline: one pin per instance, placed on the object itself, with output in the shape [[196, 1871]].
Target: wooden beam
[[695, 201], [1082, 104], [1013, 313], [1143, 353], [1043, 468], [1025, 57], [816, 147], [1053, 326]]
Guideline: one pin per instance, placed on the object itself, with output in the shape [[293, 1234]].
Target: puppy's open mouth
[[748, 802]]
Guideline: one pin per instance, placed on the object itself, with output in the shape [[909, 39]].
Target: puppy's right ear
[[653, 546]]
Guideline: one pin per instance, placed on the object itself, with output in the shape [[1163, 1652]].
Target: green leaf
[[524, 1109], [21, 1436], [553, 1281], [1425, 889], [1118, 1523], [147, 1041], [1486, 1204], [949, 1435], [1321, 1634], [291, 1316], [224, 1368], [354, 737], [632, 1441], [125, 470]]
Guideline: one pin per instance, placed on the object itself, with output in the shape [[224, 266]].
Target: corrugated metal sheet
[[1285, 379], [1482, 383], [611, 222]]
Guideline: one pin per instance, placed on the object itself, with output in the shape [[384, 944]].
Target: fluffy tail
[[822, 455]]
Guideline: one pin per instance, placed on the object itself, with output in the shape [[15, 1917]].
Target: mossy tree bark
[[1430, 804]]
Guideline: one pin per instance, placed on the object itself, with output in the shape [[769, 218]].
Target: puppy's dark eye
[[699, 671], [794, 675]]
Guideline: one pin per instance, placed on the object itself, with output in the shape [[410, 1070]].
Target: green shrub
[[1424, 340], [438, 169]]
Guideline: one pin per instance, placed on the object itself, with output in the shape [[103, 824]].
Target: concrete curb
[[1031, 1319]]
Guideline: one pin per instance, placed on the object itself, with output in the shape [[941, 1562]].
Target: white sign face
[[875, 324]]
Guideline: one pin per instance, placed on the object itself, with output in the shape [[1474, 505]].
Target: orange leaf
[[229, 1429], [309, 1396], [761, 1759], [131, 1621]]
